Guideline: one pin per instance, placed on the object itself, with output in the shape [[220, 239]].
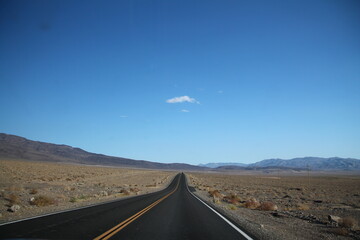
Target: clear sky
[[184, 81]]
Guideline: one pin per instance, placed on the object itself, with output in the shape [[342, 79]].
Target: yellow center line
[[106, 235]]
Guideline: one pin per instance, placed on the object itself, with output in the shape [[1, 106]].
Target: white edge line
[[79, 208], [230, 223]]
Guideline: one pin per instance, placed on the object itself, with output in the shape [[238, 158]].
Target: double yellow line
[[108, 234]]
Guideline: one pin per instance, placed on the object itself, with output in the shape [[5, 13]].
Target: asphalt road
[[173, 213]]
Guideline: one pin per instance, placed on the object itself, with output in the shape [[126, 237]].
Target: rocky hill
[[15, 147]]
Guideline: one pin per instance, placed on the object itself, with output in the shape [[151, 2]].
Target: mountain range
[[312, 163], [15, 147]]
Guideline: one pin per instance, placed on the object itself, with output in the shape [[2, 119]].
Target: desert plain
[[39, 188], [288, 205], [267, 205]]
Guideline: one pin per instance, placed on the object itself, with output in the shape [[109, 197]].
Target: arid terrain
[[268, 206], [34, 188], [286, 207]]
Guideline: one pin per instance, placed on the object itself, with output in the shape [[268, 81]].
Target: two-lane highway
[[173, 213]]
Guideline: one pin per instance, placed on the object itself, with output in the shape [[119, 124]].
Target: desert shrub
[[215, 193], [232, 198], [348, 222], [252, 204], [268, 206], [125, 192], [13, 199], [33, 191], [41, 201], [78, 198], [135, 190]]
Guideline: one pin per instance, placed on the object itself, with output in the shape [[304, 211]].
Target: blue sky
[[253, 79]]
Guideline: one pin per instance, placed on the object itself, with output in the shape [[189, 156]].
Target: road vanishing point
[[172, 213]]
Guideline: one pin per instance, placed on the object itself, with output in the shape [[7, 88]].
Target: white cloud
[[124, 116], [182, 99], [185, 110], [220, 91]]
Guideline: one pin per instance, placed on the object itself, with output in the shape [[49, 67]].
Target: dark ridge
[[15, 147]]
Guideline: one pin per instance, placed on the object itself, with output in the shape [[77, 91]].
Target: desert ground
[[269, 206], [35, 188], [286, 207]]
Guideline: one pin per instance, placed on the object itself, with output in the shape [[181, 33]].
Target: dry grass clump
[[348, 222], [41, 201], [268, 206], [252, 204]]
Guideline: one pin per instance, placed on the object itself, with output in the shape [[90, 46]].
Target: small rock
[[262, 226], [14, 208], [334, 219], [32, 199]]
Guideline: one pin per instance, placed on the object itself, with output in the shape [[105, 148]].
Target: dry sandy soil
[[268, 206], [285, 207], [40, 188]]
